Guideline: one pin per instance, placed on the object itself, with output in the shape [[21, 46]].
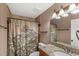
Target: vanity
[[55, 50], [42, 52], [67, 48]]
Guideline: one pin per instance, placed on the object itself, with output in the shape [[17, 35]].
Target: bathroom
[[39, 29]]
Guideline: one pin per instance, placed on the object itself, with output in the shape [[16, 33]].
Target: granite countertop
[[63, 44], [67, 45], [50, 49]]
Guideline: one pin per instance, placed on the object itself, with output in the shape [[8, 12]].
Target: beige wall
[[63, 36], [44, 20], [4, 13]]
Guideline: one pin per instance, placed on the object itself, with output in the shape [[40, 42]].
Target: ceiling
[[28, 9]]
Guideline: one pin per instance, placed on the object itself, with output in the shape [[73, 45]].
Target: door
[[74, 33]]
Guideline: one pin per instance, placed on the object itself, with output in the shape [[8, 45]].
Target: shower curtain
[[22, 37]]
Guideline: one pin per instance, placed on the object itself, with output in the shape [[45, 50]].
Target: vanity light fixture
[[76, 10], [65, 15], [71, 8], [62, 12], [55, 16]]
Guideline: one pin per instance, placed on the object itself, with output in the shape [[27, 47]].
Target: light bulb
[[71, 7], [54, 15], [65, 15], [58, 17], [75, 11], [61, 12]]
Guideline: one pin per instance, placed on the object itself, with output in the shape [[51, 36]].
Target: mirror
[[67, 35]]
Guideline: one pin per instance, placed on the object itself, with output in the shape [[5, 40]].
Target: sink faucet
[[67, 50]]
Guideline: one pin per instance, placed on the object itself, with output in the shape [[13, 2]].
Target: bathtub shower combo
[[22, 37]]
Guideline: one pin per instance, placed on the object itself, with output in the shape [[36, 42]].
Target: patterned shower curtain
[[23, 37]]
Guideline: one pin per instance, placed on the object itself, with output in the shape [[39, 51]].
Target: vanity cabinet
[[42, 53]]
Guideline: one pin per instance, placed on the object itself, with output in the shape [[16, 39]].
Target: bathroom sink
[[36, 53], [59, 53]]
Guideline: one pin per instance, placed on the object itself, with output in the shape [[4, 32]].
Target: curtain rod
[[3, 27], [21, 19]]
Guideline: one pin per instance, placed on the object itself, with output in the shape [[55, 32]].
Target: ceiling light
[[54, 15], [71, 7]]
